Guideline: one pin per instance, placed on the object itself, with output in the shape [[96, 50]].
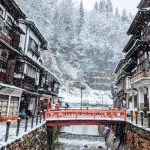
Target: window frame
[[9, 20], [33, 45]]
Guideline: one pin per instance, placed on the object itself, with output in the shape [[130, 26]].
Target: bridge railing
[[94, 114]]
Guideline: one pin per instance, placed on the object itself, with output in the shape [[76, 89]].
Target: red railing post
[[76, 115], [94, 115], [116, 112], [111, 114]]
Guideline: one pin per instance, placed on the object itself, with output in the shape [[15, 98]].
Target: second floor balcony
[[140, 76]]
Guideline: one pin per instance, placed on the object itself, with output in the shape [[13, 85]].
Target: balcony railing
[[140, 75]]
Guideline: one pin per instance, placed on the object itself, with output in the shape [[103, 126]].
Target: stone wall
[[133, 138], [35, 140], [136, 142]]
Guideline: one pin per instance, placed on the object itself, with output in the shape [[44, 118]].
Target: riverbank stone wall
[[34, 140]]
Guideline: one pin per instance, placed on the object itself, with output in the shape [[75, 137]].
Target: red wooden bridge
[[84, 117]]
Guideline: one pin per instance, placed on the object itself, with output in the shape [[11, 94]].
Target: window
[[19, 67], [9, 20], [1, 11], [31, 72], [4, 104], [3, 55], [3, 61], [7, 30], [33, 46], [14, 106]]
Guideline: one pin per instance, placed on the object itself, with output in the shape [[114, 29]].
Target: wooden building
[[10, 34], [137, 60], [23, 79], [49, 88]]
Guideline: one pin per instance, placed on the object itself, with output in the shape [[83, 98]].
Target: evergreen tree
[[56, 32], [130, 16], [124, 16], [102, 6], [117, 13], [96, 6], [80, 18], [66, 24], [109, 7]]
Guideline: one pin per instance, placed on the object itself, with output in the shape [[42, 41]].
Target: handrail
[[94, 114]]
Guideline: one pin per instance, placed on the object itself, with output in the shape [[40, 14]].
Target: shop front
[[29, 103], [45, 102], [10, 97]]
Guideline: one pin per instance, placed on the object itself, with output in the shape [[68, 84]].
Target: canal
[[80, 138]]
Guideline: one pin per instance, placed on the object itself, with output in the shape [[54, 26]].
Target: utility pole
[[82, 88], [81, 97], [102, 101]]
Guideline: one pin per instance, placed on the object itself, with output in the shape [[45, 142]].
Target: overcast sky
[[130, 5]]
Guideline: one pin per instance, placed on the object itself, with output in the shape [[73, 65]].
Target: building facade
[[134, 75], [22, 75]]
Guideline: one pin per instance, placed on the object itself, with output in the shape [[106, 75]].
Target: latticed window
[[4, 104], [31, 72], [33, 46]]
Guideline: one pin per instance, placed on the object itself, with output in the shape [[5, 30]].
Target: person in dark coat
[[66, 105]]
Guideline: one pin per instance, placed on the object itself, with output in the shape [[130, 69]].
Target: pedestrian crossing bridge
[[84, 117]]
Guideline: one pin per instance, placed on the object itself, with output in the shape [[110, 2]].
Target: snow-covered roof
[[10, 86], [120, 63], [130, 43], [138, 22], [143, 4], [14, 8]]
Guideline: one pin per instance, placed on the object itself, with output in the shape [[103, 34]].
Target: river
[[80, 138]]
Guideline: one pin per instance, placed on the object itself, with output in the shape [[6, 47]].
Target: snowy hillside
[[79, 41]]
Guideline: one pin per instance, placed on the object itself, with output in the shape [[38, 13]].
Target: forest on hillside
[[80, 41]]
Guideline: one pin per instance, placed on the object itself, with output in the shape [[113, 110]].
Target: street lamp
[[82, 88]]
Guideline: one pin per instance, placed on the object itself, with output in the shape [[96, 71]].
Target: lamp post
[[82, 88]]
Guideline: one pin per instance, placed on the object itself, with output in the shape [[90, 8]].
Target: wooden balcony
[[5, 38], [27, 83], [141, 75]]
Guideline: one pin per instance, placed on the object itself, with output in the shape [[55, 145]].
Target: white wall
[[24, 41]]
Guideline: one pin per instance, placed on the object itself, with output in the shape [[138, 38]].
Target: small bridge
[[112, 118], [84, 117]]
